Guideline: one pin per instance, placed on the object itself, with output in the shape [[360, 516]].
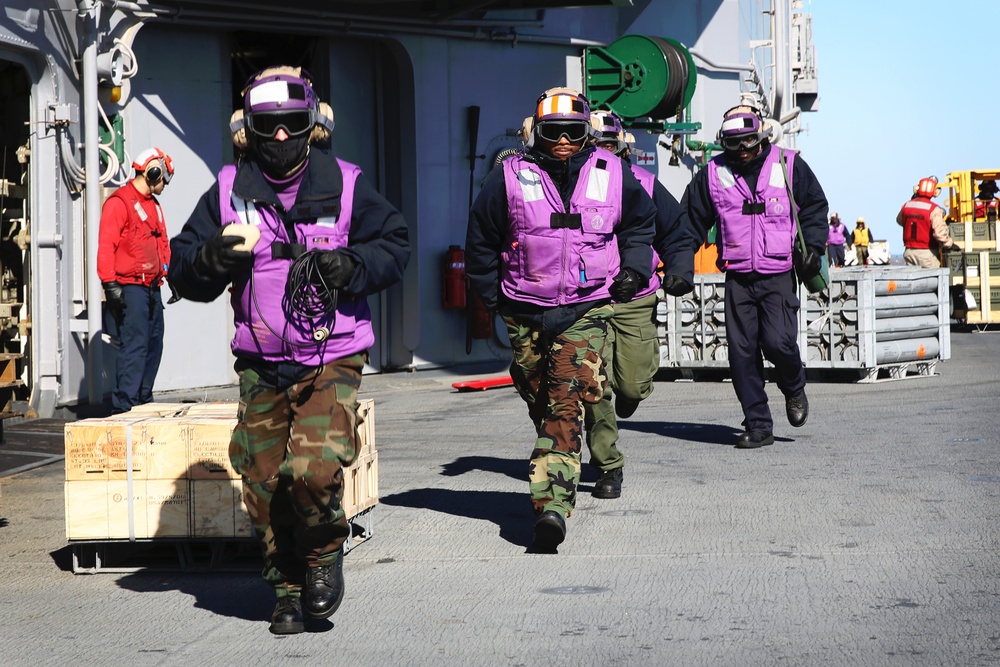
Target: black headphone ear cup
[[153, 175]]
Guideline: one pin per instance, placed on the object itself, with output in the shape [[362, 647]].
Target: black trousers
[[762, 322]]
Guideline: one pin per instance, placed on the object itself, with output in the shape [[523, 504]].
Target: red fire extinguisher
[[453, 278]]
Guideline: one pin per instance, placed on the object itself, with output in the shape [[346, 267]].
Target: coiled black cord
[[307, 291]]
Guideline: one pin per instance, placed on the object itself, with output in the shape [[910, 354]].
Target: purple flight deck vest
[[646, 180], [555, 257], [759, 239], [265, 327], [836, 235]]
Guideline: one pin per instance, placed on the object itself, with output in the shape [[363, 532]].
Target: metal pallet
[[191, 555]]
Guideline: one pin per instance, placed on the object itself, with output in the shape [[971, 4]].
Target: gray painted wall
[[411, 139]]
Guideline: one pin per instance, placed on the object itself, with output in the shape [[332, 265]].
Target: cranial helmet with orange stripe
[[927, 187], [559, 112], [155, 165]]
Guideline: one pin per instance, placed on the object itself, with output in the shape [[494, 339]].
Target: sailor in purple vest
[[555, 235], [631, 353], [835, 241], [302, 238], [743, 190]]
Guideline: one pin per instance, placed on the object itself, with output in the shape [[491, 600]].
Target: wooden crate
[[98, 449], [361, 485], [217, 509], [208, 447], [183, 484], [366, 426], [154, 410], [99, 510], [167, 447], [222, 409]]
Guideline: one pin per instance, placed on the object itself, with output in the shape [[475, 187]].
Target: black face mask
[[279, 158]]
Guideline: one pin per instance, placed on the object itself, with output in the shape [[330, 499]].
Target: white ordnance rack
[[871, 323]]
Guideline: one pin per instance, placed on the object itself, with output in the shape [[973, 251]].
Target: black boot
[[324, 588], [286, 619], [609, 484], [625, 407], [550, 531], [797, 409], [754, 439]]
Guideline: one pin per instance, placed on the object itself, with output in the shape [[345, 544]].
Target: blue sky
[[907, 89]]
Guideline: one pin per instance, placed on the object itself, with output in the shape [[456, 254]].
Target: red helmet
[[928, 187], [155, 164]]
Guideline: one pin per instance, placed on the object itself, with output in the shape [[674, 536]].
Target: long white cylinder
[[901, 328], [916, 349]]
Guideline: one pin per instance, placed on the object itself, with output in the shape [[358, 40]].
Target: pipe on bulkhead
[[90, 14]]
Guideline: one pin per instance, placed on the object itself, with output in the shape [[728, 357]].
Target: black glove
[[676, 286], [336, 268], [115, 300], [812, 264], [175, 296], [217, 256], [624, 286]]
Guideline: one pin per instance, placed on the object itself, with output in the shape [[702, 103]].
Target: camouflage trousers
[[631, 357], [291, 446], [556, 374]]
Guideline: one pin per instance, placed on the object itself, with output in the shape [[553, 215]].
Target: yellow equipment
[[974, 226], [965, 197]]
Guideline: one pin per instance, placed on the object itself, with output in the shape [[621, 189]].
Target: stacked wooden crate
[[975, 268], [162, 470]]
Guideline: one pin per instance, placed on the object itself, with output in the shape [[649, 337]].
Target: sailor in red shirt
[[133, 254]]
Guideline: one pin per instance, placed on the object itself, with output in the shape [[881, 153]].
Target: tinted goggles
[[293, 122], [743, 142], [574, 132]]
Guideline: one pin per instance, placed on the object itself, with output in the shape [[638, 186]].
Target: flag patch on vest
[[531, 185], [597, 185], [726, 178], [777, 179]]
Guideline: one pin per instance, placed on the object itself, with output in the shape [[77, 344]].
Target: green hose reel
[[639, 77]]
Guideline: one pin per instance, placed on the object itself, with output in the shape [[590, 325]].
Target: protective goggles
[[294, 122], [741, 142], [553, 132]]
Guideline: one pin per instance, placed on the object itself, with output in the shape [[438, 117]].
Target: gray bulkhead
[[400, 95]]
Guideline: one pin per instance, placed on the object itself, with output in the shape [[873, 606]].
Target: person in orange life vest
[[631, 353], [133, 253], [924, 228], [860, 238], [835, 241]]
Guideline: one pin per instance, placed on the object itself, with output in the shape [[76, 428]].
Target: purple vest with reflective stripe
[[554, 266], [265, 326], [760, 242], [646, 180]]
